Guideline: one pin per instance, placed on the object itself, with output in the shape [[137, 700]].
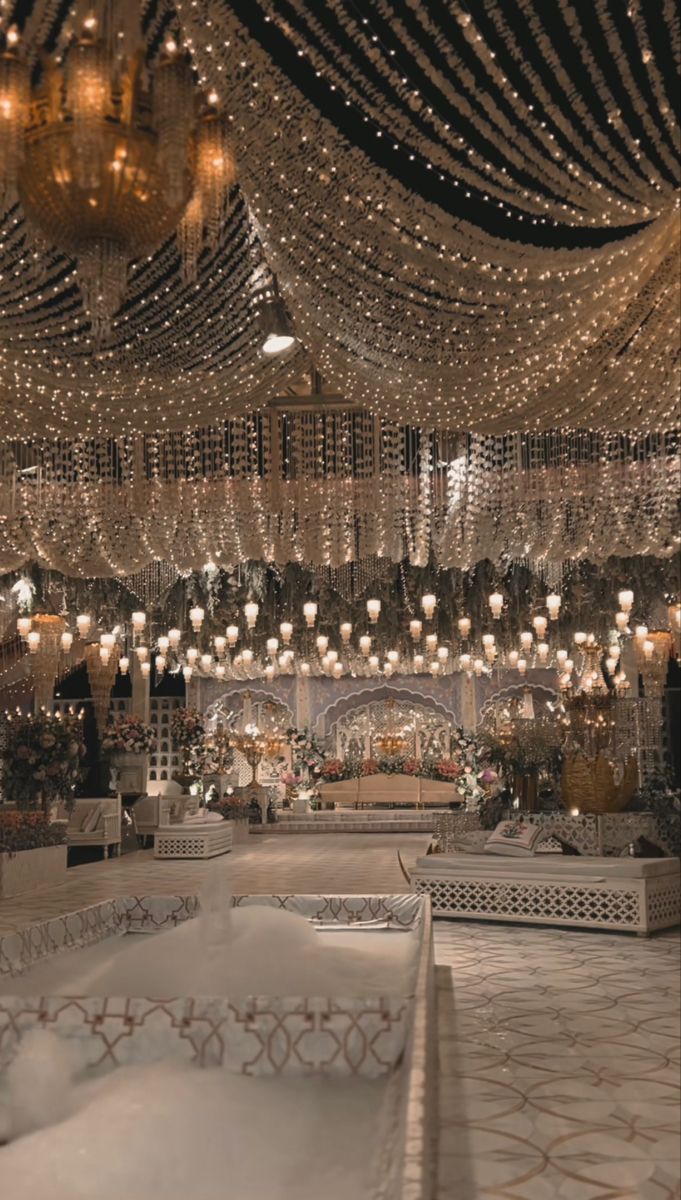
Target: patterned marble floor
[[560, 1075]]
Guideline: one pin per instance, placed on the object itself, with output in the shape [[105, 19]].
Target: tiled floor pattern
[[326, 863], [559, 1064], [559, 1050]]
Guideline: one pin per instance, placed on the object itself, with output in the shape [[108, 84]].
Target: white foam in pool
[[175, 1132], [252, 950]]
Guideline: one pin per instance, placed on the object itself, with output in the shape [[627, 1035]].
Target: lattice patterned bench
[[193, 840], [635, 894]]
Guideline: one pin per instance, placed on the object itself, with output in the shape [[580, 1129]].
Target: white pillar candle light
[[373, 664], [304, 668], [346, 631], [192, 656], [561, 657], [270, 671], [139, 620], [160, 663], [526, 639], [393, 656], [478, 666], [434, 668], [418, 663], [310, 612], [220, 644], [124, 665], [332, 656], [246, 657], [145, 669], [108, 640], [196, 616], [522, 666], [206, 661], [625, 599], [83, 623], [322, 643], [142, 653], [416, 629], [220, 671], [187, 673], [428, 603], [66, 640], [373, 610], [540, 623], [387, 669], [232, 632], [641, 633], [272, 646], [164, 645], [464, 624], [174, 637], [431, 643], [365, 644], [465, 662], [580, 638], [496, 604], [648, 649], [553, 603], [286, 631], [443, 653], [251, 610], [23, 627], [337, 670], [512, 658], [33, 639], [543, 652], [621, 622]]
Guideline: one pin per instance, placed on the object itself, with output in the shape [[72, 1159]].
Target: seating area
[[390, 791]]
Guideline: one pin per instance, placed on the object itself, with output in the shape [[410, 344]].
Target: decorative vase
[[525, 787], [133, 773]]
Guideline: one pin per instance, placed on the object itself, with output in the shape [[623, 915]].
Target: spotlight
[[275, 323]]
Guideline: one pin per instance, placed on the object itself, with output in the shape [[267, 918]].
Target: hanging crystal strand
[[14, 96], [215, 172], [174, 119], [190, 238], [88, 100]]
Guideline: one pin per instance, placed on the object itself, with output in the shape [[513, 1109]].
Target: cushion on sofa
[[91, 820], [514, 838]]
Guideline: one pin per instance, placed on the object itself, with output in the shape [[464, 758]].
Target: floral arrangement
[[412, 766], [28, 831], [370, 766], [231, 807], [129, 735], [186, 728], [446, 769], [42, 760], [306, 750], [335, 769]]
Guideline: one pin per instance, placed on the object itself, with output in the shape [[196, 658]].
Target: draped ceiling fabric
[[472, 215]]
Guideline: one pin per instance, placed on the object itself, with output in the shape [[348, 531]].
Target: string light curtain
[[326, 489], [472, 215]]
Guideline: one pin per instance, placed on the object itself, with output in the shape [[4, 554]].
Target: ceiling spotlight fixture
[[275, 323]]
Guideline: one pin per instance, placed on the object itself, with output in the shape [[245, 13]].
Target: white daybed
[[95, 822], [635, 894], [389, 790]]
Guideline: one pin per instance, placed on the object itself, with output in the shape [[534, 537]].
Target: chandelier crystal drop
[[108, 154]]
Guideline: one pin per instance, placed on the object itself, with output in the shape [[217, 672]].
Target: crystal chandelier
[[110, 156]]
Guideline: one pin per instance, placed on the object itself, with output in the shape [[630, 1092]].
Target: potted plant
[[41, 765], [188, 733], [127, 743], [32, 852]]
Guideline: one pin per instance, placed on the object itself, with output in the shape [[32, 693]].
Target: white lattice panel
[[165, 758], [639, 905], [208, 842]]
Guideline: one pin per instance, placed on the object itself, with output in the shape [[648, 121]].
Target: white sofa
[[389, 790], [635, 894], [95, 822], [160, 810]]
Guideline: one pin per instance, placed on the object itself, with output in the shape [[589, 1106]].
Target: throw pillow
[[92, 820], [515, 838]]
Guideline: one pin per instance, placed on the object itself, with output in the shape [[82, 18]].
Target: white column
[[469, 710], [139, 705]]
